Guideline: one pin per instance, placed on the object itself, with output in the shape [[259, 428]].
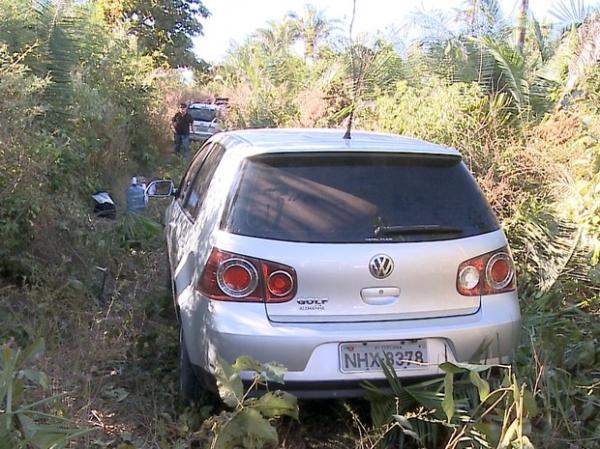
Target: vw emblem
[[381, 266]]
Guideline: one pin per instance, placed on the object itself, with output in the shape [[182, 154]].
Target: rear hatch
[[371, 236], [204, 119]]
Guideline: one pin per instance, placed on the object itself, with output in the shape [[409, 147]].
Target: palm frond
[[58, 25], [558, 246], [512, 71], [571, 13], [434, 25], [540, 40], [483, 18]]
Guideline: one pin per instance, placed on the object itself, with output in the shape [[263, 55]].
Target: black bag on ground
[[104, 206]]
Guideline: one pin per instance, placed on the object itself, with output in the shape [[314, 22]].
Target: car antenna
[[348, 134]]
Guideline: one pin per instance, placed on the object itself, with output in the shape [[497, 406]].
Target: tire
[[189, 387]]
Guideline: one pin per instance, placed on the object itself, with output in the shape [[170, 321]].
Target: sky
[[234, 20]]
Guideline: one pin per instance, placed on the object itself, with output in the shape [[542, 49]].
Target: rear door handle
[[380, 296]]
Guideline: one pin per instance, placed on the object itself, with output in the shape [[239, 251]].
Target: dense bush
[[64, 137]]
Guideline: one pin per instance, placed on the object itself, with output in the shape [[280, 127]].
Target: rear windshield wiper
[[416, 229]]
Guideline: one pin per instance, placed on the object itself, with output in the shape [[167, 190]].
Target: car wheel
[[189, 387]]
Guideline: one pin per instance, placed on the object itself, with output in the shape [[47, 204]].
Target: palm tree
[[277, 38], [480, 50], [452, 46], [312, 28]]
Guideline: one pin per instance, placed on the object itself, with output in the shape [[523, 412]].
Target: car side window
[[188, 177], [197, 192]]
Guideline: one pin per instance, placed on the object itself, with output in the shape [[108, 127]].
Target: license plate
[[369, 356]]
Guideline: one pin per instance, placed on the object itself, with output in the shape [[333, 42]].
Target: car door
[[189, 206], [177, 222]]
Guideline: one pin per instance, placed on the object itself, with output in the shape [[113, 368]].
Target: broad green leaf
[[494, 396], [274, 372], [247, 429], [490, 430], [482, 386], [247, 363], [403, 421], [477, 367], [407, 427], [37, 377], [275, 404], [28, 426], [448, 401], [529, 404], [229, 384], [452, 368]]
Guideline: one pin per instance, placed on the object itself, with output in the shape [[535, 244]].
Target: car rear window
[[359, 197], [202, 114]]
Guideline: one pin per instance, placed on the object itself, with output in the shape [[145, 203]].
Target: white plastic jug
[[136, 201]]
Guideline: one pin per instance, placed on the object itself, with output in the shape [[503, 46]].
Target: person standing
[[180, 125]]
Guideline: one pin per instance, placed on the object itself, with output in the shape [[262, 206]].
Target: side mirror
[[160, 188]]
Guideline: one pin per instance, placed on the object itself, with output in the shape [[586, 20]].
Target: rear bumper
[[310, 350], [330, 389]]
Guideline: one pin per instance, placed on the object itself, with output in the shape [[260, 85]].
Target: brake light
[[487, 274], [237, 277], [233, 277], [280, 283]]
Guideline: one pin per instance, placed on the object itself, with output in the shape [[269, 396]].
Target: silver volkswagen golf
[[331, 256]]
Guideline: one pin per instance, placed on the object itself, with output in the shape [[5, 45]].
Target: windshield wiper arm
[[416, 229]]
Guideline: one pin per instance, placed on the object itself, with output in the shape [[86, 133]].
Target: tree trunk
[[522, 27], [348, 134]]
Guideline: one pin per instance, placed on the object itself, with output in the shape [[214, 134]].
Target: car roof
[[203, 106], [291, 140]]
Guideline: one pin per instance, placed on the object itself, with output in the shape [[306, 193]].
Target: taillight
[[499, 271], [487, 274], [280, 283], [237, 277], [233, 277]]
